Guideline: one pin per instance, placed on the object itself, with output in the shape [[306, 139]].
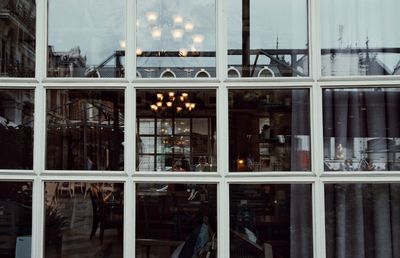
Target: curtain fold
[[362, 220]]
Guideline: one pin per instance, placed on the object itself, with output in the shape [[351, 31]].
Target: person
[[203, 166], [178, 166]]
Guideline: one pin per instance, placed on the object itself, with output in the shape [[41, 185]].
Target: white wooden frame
[[314, 82]]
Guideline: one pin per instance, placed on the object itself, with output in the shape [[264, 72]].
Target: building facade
[[232, 128]]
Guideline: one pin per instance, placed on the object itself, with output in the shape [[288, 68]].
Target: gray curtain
[[362, 220]]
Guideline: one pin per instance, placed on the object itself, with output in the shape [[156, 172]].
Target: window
[[176, 38], [86, 38], [356, 38], [177, 130], [17, 40], [208, 129], [267, 38]]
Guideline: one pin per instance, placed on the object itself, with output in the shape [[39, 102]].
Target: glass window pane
[[17, 38], [362, 220], [357, 38], [15, 219], [270, 221], [267, 38], [185, 134], [361, 129], [85, 129], [175, 38], [146, 126], [176, 220], [269, 130], [164, 126], [83, 219], [16, 129], [86, 38]]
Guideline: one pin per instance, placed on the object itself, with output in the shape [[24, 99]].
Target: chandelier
[[172, 102]]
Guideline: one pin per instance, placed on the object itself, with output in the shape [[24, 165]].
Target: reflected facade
[[85, 129], [361, 129], [16, 129], [83, 219], [17, 38], [175, 39], [176, 130], [90, 42], [277, 132], [15, 219], [361, 220], [267, 38], [357, 38], [176, 220], [270, 221]]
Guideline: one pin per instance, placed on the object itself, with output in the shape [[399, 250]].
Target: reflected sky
[[270, 19], [96, 26]]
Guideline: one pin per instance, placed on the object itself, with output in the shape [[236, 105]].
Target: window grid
[[222, 178]]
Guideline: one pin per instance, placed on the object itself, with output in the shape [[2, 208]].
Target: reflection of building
[[66, 64], [85, 130], [16, 129], [17, 38]]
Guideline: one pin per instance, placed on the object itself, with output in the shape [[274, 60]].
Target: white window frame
[[314, 82]]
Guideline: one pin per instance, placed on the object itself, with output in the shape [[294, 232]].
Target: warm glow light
[[153, 107], [189, 26], [185, 94], [241, 161], [183, 52], [169, 104], [156, 33], [160, 96], [182, 98], [178, 19], [171, 93], [192, 105], [177, 34], [198, 39], [159, 104], [122, 44], [139, 52], [178, 109], [187, 105], [151, 17]]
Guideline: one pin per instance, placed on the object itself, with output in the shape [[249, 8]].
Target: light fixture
[[189, 26], [172, 102], [198, 38], [177, 34], [178, 19], [156, 33], [122, 44], [151, 17], [139, 52], [183, 52]]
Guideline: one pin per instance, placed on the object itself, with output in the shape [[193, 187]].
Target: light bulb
[[198, 39], [156, 33], [189, 26], [151, 17]]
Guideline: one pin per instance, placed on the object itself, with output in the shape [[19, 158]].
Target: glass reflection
[[15, 219], [16, 129], [85, 129], [17, 38], [361, 220], [271, 221], [276, 135], [177, 130], [267, 38], [357, 38], [83, 219], [86, 38], [176, 38], [361, 130], [176, 220]]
